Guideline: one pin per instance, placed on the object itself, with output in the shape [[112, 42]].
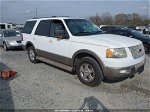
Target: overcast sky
[[19, 11]]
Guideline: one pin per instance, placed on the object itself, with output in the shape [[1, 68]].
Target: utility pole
[[36, 13]]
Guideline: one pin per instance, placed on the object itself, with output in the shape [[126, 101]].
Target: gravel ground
[[41, 86]]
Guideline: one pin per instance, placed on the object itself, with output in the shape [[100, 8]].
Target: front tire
[[5, 46], [32, 54], [147, 48], [89, 71]]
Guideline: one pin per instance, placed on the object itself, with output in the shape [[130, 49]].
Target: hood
[[14, 38], [108, 40]]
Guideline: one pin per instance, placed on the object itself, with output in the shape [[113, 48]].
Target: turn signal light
[[109, 53]]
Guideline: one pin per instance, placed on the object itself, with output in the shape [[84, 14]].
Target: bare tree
[[96, 19], [107, 18], [133, 19]]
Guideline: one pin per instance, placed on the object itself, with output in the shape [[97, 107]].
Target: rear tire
[[5, 46], [32, 54], [89, 71], [147, 48]]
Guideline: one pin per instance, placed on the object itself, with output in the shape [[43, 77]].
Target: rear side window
[[43, 28], [29, 27]]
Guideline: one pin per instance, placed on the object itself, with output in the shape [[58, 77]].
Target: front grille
[[137, 51]]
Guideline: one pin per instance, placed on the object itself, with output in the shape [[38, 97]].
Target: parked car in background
[[147, 30], [6, 26], [133, 34], [10, 39], [79, 45], [108, 28]]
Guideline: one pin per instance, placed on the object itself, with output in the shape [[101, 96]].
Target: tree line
[[133, 19]]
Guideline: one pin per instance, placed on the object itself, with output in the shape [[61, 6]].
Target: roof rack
[[49, 17], [60, 16], [39, 17]]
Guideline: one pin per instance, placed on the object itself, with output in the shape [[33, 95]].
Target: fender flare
[[90, 53], [29, 42]]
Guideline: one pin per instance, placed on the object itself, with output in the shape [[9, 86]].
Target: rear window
[[11, 33], [28, 27]]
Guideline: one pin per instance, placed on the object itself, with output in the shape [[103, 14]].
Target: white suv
[[78, 45]]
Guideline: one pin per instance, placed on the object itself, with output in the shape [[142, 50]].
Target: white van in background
[[6, 26]]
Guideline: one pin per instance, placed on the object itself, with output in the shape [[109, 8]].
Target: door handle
[[33, 38]]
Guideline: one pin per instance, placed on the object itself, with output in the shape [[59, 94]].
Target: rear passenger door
[[41, 38]]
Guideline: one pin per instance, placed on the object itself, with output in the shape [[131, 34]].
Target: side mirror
[[1, 35], [60, 34], [131, 36]]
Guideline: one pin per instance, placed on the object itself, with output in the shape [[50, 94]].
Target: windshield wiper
[[98, 32], [82, 33], [88, 33]]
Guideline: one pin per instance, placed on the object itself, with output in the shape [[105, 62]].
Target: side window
[[2, 26], [43, 28], [110, 28], [8, 26], [104, 28], [116, 32], [57, 25], [113, 32], [28, 27], [124, 33]]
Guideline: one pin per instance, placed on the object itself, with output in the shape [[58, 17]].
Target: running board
[[60, 65]]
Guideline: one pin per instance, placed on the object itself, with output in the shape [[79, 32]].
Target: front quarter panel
[[98, 51]]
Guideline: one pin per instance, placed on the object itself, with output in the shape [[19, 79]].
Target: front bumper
[[14, 45], [24, 47], [124, 72]]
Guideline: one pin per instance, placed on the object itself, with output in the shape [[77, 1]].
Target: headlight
[[11, 42], [116, 53]]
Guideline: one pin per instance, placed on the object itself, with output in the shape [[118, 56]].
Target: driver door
[[60, 47]]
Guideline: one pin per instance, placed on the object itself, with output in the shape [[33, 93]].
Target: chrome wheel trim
[[146, 49], [87, 72], [5, 46], [31, 54]]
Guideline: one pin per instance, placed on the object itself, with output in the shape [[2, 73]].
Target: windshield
[[82, 27], [11, 33]]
